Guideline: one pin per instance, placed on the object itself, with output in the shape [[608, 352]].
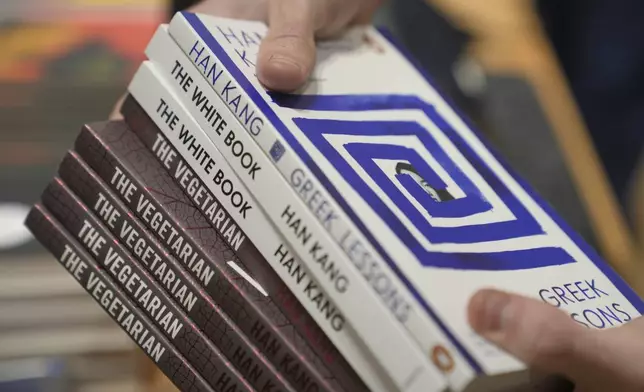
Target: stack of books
[[326, 240]]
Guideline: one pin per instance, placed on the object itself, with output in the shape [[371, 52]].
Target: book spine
[[389, 344], [200, 308], [372, 268], [291, 274], [129, 169], [114, 302], [279, 256], [112, 257]]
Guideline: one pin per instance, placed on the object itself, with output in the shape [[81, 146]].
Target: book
[[26, 313], [419, 192], [31, 278], [288, 269], [304, 199], [149, 88], [116, 155], [62, 341], [323, 240], [95, 281], [199, 307], [34, 374], [141, 287]]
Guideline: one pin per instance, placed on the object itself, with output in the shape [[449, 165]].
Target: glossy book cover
[[443, 210]]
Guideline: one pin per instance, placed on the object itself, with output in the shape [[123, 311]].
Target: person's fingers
[[536, 333], [612, 359], [287, 53], [239, 9], [333, 16], [549, 340]]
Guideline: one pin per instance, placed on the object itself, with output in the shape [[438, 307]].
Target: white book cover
[[438, 205], [405, 367]]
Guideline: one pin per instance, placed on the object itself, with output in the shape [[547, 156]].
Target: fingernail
[[285, 62], [492, 306], [281, 73]]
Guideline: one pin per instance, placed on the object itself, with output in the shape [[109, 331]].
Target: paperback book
[[97, 283], [324, 240], [116, 155], [423, 209]]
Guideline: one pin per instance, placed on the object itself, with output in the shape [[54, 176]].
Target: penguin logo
[[442, 359]]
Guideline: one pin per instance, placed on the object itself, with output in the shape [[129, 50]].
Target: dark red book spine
[[195, 189], [51, 234], [118, 157], [114, 259], [162, 272]]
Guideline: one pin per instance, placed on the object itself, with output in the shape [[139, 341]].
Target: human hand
[[549, 340], [287, 54]]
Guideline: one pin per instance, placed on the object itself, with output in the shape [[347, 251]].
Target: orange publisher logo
[[442, 359]]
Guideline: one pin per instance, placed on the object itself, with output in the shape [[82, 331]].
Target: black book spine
[[146, 294], [163, 272], [51, 234], [200, 195], [117, 156]]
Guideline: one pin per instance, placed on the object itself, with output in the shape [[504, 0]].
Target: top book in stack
[[389, 197]]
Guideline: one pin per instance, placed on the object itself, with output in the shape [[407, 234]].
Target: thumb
[[287, 54], [538, 334], [547, 339]]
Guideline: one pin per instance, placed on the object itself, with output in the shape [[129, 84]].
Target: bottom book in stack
[[95, 281], [128, 219]]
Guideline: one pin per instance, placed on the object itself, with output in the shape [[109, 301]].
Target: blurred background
[[556, 87]]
